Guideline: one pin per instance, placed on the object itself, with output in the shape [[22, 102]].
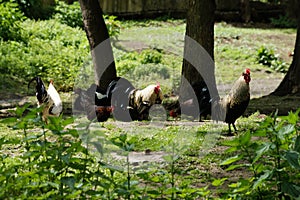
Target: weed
[[273, 159], [268, 58]]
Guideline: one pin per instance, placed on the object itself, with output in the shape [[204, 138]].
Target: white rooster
[[49, 98]]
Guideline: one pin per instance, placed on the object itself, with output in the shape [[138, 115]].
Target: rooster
[[196, 107], [92, 103], [49, 98], [236, 102], [140, 101]]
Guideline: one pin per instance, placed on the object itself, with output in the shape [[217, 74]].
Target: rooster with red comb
[[140, 101], [236, 102]]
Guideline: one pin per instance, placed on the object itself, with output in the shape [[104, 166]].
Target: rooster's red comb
[[247, 71], [157, 88]]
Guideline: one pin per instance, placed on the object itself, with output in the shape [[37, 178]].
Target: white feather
[[57, 108], [148, 95]]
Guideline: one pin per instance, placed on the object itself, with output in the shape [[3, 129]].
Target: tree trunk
[[291, 82], [199, 47], [101, 49], [245, 10]]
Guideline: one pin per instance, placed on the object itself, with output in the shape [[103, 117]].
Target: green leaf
[[261, 150], [293, 159], [9, 120], [67, 121], [285, 130], [98, 146], [231, 149], [245, 138], [260, 180], [69, 181], [260, 132], [291, 189], [232, 167], [232, 160], [123, 137], [20, 110], [231, 143], [218, 182], [297, 144]]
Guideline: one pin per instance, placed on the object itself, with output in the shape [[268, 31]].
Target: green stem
[[128, 177], [250, 160]]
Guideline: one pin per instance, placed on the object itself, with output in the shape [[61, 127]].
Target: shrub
[[272, 159], [113, 25], [52, 51], [10, 18], [69, 14], [284, 22], [152, 71], [151, 56], [37, 9], [268, 58]]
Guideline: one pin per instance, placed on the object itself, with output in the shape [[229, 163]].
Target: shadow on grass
[[268, 104]]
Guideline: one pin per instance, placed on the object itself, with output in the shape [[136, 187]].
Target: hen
[[236, 102], [49, 98], [197, 107]]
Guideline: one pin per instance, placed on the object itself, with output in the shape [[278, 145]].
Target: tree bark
[[291, 82], [199, 29], [245, 10], [98, 37]]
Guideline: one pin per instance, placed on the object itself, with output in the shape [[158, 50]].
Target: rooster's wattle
[[49, 98]]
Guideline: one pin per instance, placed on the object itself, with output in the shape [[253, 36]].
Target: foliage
[[151, 56], [143, 67], [52, 51], [55, 160], [284, 22], [10, 19], [268, 58], [69, 14], [113, 25], [272, 159], [37, 9]]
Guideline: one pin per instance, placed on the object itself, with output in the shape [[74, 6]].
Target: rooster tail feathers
[[40, 89], [33, 79]]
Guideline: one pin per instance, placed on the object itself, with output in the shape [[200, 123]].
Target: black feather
[[203, 97], [41, 92]]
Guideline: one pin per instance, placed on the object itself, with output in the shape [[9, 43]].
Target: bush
[[113, 25], [151, 56], [69, 14], [52, 51], [151, 71], [37, 9], [146, 64], [272, 159], [268, 58], [284, 22], [10, 18]]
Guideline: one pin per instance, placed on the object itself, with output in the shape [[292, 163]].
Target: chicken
[[140, 101], [236, 102], [88, 102], [49, 98], [196, 107]]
